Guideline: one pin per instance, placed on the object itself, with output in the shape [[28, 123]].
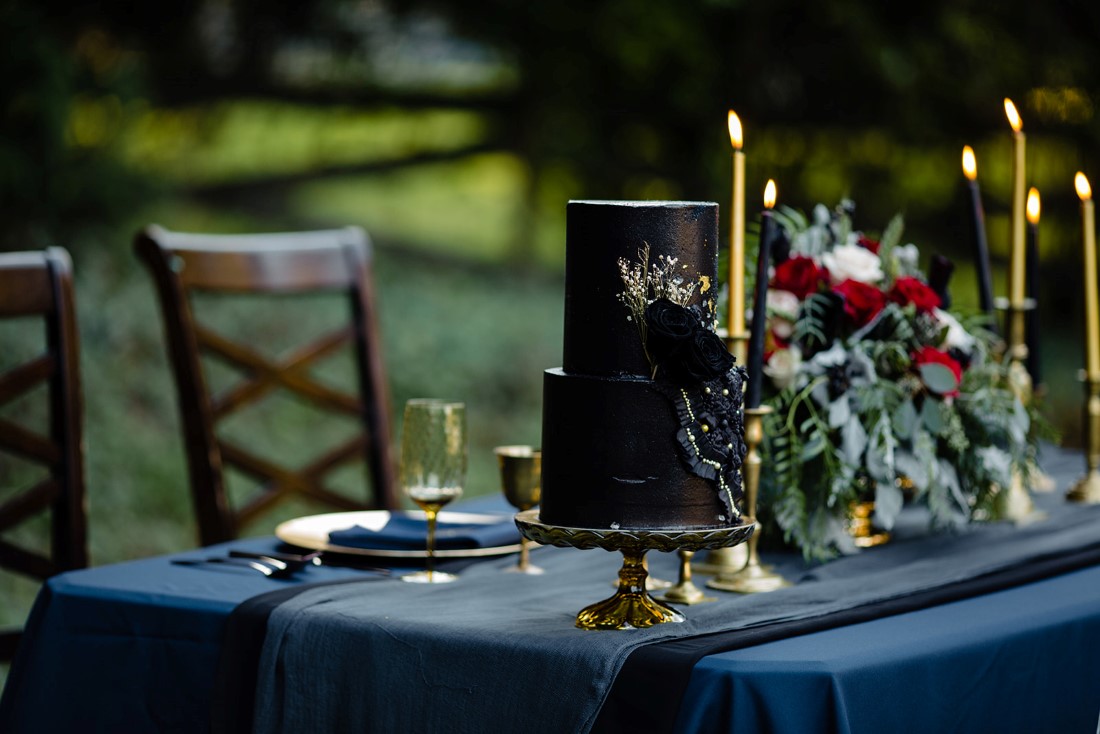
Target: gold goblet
[[433, 467], [521, 479]]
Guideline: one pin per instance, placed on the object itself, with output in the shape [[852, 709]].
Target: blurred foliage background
[[455, 135]]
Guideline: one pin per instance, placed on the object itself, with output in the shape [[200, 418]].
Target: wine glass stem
[[430, 514], [524, 557]]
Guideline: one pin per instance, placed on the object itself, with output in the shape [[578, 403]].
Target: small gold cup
[[521, 480]]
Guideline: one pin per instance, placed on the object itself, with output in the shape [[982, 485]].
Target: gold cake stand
[[631, 607]]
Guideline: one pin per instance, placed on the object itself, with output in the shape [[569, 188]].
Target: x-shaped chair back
[[331, 260], [39, 284]]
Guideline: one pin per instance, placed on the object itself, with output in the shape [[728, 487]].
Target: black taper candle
[[977, 235], [981, 248], [755, 364], [1031, 323], [939, 276]]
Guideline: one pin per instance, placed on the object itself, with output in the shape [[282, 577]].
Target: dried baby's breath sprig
[[646, 282]]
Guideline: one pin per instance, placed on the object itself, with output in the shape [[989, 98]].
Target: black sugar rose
[[703, 357], [668, 326]]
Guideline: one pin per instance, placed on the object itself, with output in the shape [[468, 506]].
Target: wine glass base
[[529, 570], [429, 577]]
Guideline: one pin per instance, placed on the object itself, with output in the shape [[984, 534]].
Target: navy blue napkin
[[403, 532]]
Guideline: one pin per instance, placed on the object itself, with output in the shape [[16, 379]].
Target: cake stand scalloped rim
[[658, 539]]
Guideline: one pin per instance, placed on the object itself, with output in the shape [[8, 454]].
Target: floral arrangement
[[876, 387]]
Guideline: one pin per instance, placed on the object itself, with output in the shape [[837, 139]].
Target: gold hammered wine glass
[[521, 480], [433, 467]]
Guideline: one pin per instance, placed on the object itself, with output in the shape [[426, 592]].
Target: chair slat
[[291, 374], [279, 262], [19, 440], [28, 503], [25, 562], [25, 285], [19, 380], [336, 456]]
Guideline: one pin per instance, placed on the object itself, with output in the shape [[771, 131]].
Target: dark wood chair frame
[[329, 260], [41, 284]]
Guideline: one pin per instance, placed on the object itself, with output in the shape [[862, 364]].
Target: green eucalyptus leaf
[[938, 378], [813, 448], [840, 412], [888, 503], [931, 417], [909, 465], [905, 420], [891, 236], [853, 441]]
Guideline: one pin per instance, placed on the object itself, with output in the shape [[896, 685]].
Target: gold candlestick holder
[[754, 578], [727, 560], [631, 607], [1087, 488], [685, 591], [1014, 502]]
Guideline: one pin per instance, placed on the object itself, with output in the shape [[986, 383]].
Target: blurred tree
[[617, 97]]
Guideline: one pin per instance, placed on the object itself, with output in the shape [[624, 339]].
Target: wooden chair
[[334, 261], [40, 284]]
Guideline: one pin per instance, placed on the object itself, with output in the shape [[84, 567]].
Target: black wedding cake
[[642, 423]]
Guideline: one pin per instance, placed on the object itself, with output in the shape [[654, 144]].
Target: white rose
[[783, 303], [782, 366], [783, 308], [852, 262], [957, 337]]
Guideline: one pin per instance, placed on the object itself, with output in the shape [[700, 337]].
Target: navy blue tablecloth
[[135, 647]]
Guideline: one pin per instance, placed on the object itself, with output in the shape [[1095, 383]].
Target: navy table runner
[[520, 630]]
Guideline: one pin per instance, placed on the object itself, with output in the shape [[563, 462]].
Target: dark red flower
[[800, 275], [931, 355], [913, 290], [862, 302], [868, 244]]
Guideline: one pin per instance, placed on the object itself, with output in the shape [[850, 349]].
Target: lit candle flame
[[769, 194], [1033, 206], [735, 130], [1013, 116], [970, 163], [1084, 191]]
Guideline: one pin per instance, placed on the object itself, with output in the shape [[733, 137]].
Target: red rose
[[931, 355], [800, 275], [862, 302], [912, 290], [868, 244]]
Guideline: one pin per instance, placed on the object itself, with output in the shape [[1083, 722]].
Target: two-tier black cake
[[642, 423]]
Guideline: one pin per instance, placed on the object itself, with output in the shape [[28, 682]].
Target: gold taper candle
[[1016, 273], [1092, 308], [735, 323]]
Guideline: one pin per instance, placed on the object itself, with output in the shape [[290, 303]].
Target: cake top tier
[[600, 338]]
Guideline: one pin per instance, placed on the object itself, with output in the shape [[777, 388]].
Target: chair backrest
[[323, 261], [40, 284]]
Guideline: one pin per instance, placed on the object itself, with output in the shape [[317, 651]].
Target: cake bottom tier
[[610, 458]]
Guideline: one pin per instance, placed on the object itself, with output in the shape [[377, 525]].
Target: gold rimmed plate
[[312, 532]]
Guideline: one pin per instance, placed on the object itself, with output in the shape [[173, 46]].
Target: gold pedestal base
[[1086, 490], [1015, 505], [723, 560], [631, 607], [752, 579], [685, 592]]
